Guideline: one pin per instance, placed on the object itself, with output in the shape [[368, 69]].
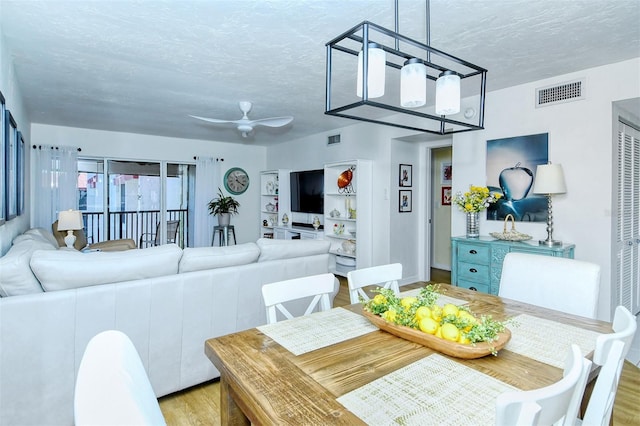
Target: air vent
[[333, 140], [565, 92]]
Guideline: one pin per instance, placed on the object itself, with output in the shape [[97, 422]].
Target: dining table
[[336, 367]]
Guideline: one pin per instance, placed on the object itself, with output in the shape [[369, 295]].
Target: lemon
[[436, 313], [406, 302], [450, 309], [439, 332], [389, 315], [423, 312], [379, 299], [468, 319], [463, 339], [450, 332], [428, 325]]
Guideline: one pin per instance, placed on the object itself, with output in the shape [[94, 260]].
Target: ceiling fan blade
[[272, 122], [214, 120]]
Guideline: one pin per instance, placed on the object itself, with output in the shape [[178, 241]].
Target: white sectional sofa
[[167, 300]]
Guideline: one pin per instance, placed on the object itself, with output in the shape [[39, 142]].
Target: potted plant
[[223, 207]]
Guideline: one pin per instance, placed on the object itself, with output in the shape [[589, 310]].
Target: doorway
[[440, 214]]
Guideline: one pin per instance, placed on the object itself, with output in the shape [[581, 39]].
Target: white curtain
[[207, 180], [56, 177]]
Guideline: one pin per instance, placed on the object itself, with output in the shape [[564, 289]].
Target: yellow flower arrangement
[[476, 199]]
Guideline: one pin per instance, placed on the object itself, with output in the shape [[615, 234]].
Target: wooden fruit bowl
[[458, 350]]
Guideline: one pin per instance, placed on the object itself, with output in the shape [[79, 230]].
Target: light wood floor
[[200, 405]]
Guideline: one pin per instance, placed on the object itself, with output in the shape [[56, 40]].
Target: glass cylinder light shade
[[413, 84], [448, 93], [376, 70]]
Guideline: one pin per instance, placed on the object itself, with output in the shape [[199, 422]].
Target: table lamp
[[69, 220], [549, 181]]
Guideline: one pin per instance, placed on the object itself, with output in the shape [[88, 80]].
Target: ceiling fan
[[245, 125]]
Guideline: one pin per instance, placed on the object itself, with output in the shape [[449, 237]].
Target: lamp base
[[550, 243], [70, 239]]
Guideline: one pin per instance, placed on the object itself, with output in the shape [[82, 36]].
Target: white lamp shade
[[413, 84], [448, 94], [549, 180], [69, 220], [376, 71]]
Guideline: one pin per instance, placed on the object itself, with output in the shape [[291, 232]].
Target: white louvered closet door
[[627, 292]]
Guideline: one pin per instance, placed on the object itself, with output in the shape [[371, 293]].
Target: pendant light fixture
[[402, 82], [448, 93], [413, 83], [376, 71]]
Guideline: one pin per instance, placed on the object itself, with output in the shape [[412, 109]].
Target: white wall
[[132, 146], [579, 139], [13, 100]]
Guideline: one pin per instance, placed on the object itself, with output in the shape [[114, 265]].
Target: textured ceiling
[[144, 66]]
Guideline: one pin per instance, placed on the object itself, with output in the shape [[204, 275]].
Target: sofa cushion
[[16, 277], [37, 234], [200, 258], [271, 249], [65, 269]]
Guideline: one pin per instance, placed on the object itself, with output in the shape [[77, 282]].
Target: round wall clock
[[236, 180]]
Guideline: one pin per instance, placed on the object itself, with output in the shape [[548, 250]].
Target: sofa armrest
[[113, 245]]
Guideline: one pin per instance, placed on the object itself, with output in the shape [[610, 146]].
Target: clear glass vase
[[473, 225]]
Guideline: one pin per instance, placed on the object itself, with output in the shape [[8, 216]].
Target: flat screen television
[[307, 191]]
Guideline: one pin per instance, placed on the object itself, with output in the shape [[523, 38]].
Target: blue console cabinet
[[476, 263]]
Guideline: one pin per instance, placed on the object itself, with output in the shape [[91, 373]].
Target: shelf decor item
[[475, 200], [344, 181], [511, 235]]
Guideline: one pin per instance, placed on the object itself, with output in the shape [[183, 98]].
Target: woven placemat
[[442, 299], [315, 331], [432, 391], [547, 341]]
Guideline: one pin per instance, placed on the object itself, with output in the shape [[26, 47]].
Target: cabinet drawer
[[472, 253], [473, 286], [473, 272]]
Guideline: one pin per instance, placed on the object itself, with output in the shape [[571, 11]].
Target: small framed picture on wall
[[404, 201], [446, 173], [406, 175], [446, 196]]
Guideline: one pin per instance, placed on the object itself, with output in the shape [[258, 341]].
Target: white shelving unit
[[348, 215], [274, 200]]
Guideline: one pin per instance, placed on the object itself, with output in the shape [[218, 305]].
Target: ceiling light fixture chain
[[426, 95]]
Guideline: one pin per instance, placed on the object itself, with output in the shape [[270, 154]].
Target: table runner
[[318, 330], [427, 393], [547, 341], [442, 299]]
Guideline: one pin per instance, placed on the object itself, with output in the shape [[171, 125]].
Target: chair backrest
[[611, 350], [550, 404], [317, 286], [566, 285], [112, 387], [172, 231], [81, 238], [385, 276]]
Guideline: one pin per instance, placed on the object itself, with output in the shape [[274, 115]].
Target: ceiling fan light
[[413, 83], [376, 71], [448, 93]]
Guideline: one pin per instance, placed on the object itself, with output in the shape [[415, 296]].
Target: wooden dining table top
[[264, 383]]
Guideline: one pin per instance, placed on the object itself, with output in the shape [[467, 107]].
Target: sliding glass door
[[145, 201]]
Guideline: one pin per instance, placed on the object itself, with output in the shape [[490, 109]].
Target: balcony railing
[[132, 224]]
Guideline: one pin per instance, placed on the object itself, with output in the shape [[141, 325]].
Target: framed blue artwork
[[2, 162], [511, 168]]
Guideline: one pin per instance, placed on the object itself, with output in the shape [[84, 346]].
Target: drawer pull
[[473, 288], [473, 252], [474, 270]]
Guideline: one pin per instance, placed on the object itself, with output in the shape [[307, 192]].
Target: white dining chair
[[112, 387], [317, 287], [385, 276], [566, 285], [550, 404], [611, 350]]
